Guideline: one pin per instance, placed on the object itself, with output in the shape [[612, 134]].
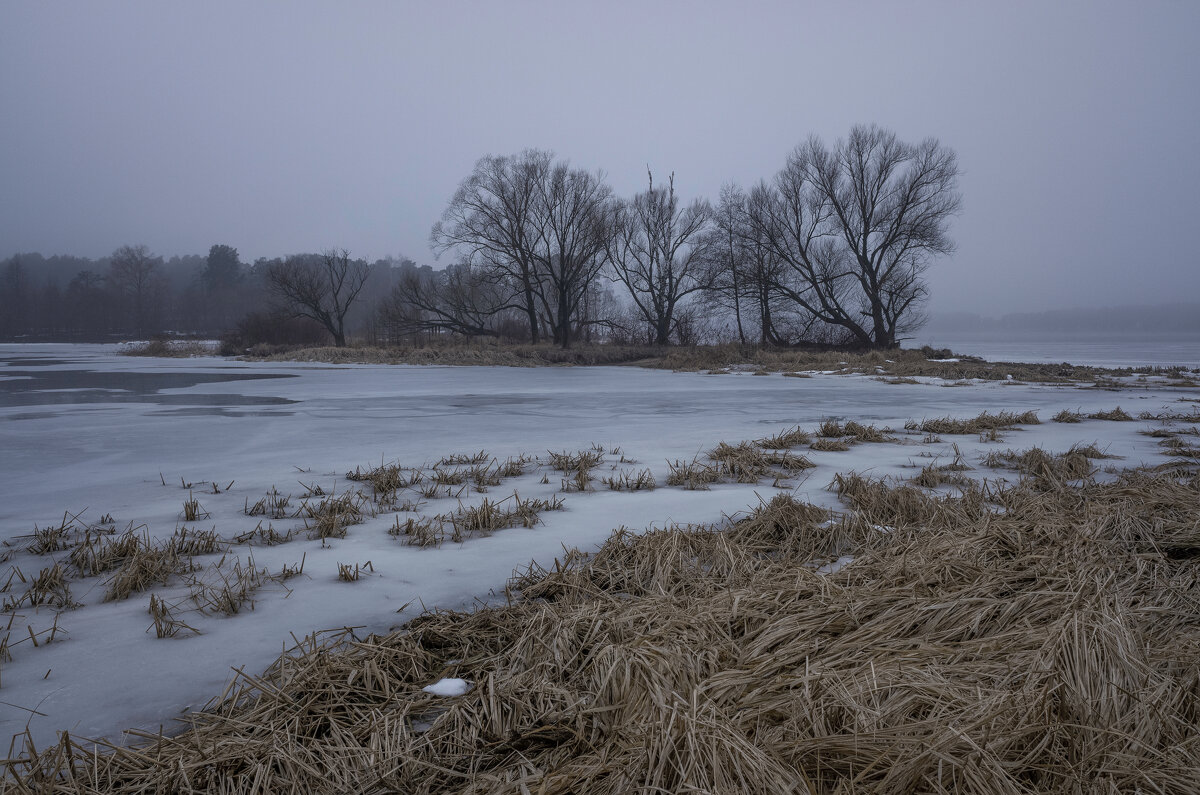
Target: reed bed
[[628, 480], [1114, 415], [331, 516], [746, 462], [1046, 467], [785, 440], [1011, 640], [975, 425], [694, 475]]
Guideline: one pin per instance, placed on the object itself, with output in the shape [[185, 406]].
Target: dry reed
[[1016, 639]]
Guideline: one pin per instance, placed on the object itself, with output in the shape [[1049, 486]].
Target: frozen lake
[[84, 429]]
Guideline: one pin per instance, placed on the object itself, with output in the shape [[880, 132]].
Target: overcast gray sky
[[281, 127]]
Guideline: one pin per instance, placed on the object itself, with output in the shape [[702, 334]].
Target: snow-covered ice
[[86, 431]]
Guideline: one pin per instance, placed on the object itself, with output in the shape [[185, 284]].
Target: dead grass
[[1049, 468], [694, 475], [1068, 416], [352, 572], [829, 446], [785, 440], [628, 480], [1114, 415], [896, 366], [330, 516], [1046, 643], [975, 425], [748, 463], [50, 587]]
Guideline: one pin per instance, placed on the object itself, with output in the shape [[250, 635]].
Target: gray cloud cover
[[279, 127]]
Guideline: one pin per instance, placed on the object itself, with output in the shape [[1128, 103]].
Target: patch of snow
[[837, 565], [448, 687]]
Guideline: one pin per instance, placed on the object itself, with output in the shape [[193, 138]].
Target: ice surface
[[183, 421], [448, 687]]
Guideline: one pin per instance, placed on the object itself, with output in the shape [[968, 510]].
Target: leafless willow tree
[[132, 272], [491, 222], [857, 226], [568, 245], [534, 226], [658, 251], [462, 299], [319, 287]]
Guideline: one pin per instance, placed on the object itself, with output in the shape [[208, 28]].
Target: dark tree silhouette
[[857, 226], [132, 271], [319, 287], [657, 250]]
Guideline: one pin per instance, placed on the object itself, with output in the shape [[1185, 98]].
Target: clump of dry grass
[[264, 536], [513, 467], [474, 520], [193, 510], [1114, 415], [1180, 448], [50, 587], [832, 429], [627, 480], [935, 475], [418, 531], [568, 462], [975, 425], [694, 475], [228, 589], [1049, 468], [1027, 648], [464, 459], [53, 538], [331, 515], [785, 440], [748, 463], [1067, 415], [386, 479], [166, 625], [196, 542], [274, 505], [352, 572], [140, 563], [829, 446]]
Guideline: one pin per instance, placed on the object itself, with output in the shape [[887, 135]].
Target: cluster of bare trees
[[833, 249]]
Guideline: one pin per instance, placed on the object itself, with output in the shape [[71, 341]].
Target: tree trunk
[[531, 314], [662, 331]]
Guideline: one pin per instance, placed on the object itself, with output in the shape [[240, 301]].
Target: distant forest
[[133, 293]]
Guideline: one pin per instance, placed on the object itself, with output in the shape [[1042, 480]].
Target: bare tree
[[132, 271], [857, 226], [568, 243], [490, 221], [657, 250], [462, 299], [319, 287], [725, 260], [534, 225]]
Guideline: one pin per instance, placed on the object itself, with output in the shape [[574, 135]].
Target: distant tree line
[[831, 250]]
